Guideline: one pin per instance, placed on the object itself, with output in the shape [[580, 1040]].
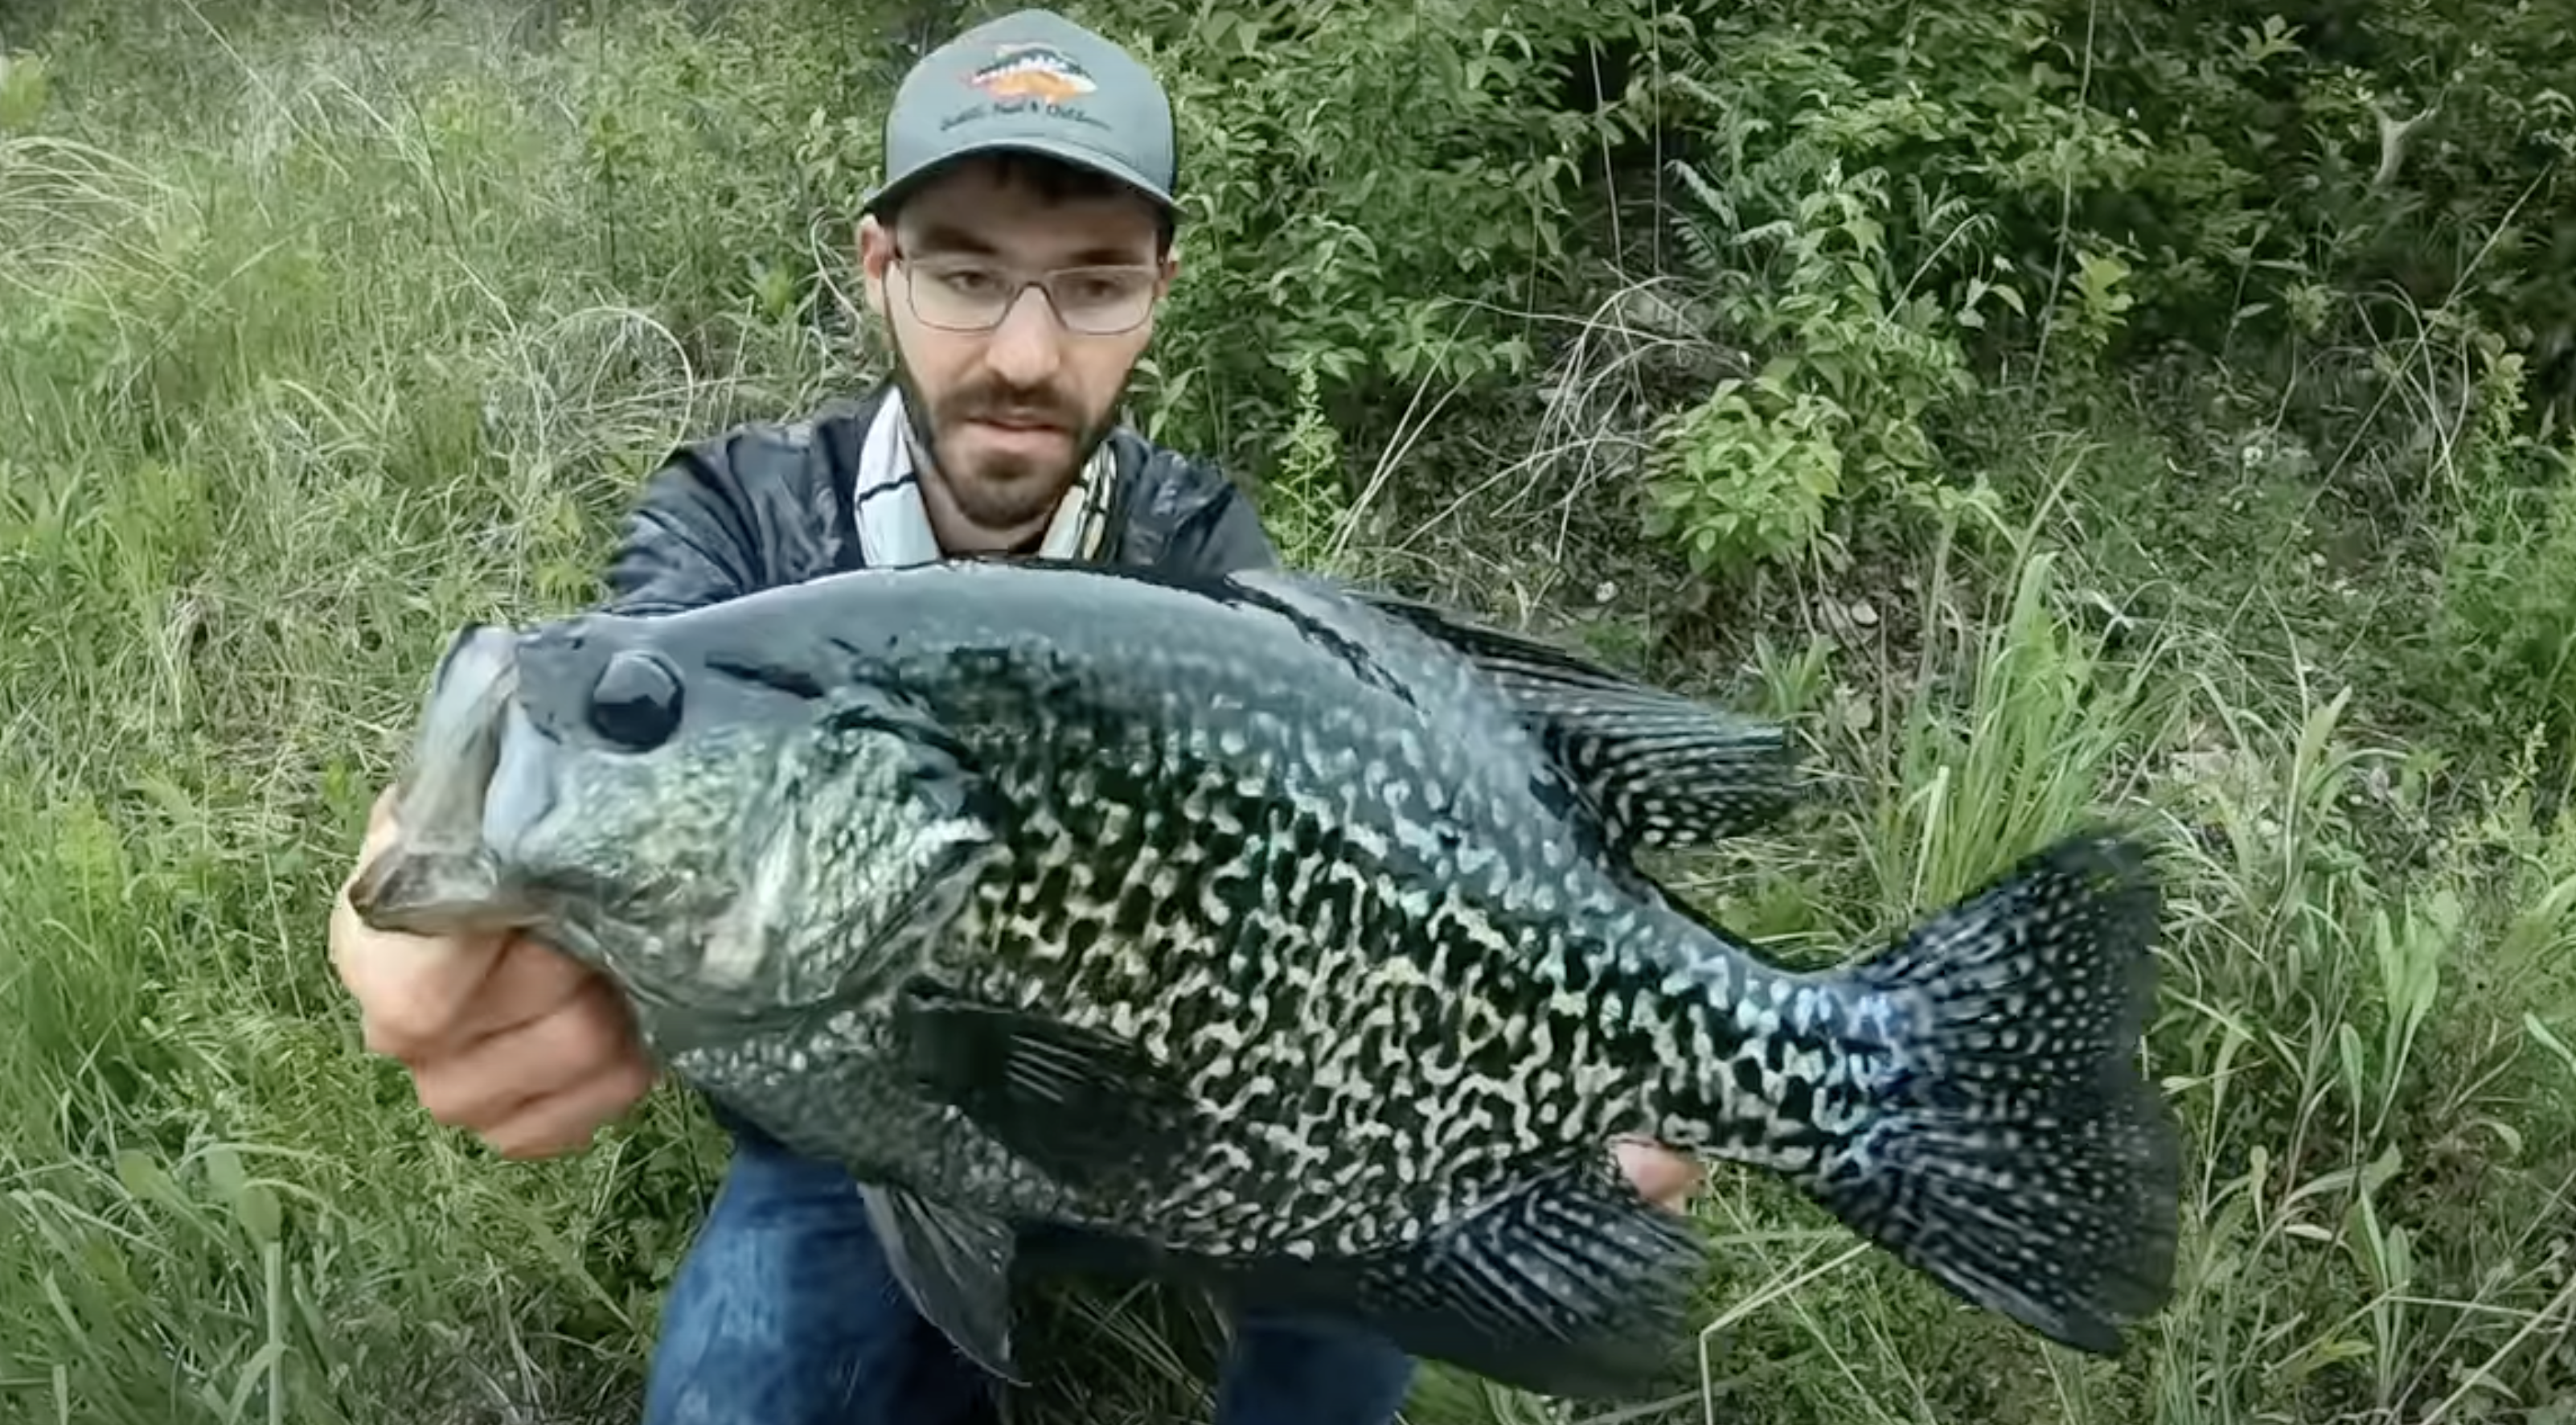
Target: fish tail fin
[[2013, 1150]]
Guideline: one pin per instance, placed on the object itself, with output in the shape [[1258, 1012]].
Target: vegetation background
[[2060, 407]]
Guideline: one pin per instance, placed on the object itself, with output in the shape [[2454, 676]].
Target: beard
[[1001, 491]]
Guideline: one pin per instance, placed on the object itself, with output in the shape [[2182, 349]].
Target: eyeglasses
[[965, 294]]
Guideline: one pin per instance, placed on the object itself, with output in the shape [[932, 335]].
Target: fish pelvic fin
[[955, 1267], [1566, 1283], [2016, 1153]]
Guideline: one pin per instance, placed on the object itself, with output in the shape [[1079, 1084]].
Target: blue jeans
[[785, 1313]]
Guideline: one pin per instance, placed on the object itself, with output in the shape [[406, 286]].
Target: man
[[1016, 258]]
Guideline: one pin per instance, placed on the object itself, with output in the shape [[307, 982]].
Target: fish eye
[[636, 702]]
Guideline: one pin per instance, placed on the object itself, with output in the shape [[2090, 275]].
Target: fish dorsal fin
[[1655, 768]]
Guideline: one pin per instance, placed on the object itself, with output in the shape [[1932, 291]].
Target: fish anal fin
[[1569, 1284]]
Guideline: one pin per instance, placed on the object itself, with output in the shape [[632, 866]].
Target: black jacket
[[767, 504]]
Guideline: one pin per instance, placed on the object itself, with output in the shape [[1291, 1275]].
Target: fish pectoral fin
[[1654, 768], [1569, 1284], [956, 1268], [1077, 1103]]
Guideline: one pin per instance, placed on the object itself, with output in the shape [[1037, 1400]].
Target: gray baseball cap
[[1037, 82]]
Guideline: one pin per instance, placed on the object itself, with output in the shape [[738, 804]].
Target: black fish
[[1290, 932]]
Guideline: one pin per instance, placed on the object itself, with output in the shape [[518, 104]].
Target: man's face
[[1010, 413]]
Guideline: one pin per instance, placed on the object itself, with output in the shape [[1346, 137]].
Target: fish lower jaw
[[660, 978]]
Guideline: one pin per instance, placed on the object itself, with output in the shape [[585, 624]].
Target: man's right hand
[[521, 1044]]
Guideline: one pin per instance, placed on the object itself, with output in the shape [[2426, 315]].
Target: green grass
[[319, 337]]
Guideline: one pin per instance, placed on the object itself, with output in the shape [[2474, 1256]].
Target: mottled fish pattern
[[1291, 932]]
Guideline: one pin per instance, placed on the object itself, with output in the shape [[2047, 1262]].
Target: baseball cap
[[1036, 82]]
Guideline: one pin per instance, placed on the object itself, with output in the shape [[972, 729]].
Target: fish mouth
[[474, 783], [489, 839], [474, 809]]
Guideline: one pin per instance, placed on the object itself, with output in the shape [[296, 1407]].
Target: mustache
[[1000, 403]]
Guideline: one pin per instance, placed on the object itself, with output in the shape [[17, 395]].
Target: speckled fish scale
[[1333, 1072]]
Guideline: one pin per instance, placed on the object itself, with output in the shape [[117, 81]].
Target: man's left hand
[[1665, 1178]]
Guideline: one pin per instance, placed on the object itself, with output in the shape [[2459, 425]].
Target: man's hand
[[1663, 1177], [523, 1045]]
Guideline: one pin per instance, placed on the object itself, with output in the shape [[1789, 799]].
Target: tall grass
[[316, 339]]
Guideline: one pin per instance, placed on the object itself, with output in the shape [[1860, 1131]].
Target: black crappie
[[1289, 931]]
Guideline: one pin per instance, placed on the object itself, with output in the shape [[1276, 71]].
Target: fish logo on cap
[[1032, 71]]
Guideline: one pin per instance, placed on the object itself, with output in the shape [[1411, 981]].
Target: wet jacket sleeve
[[1224, 536], [719, 519]]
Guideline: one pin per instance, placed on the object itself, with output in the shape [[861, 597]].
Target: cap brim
[[1074, 154]]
